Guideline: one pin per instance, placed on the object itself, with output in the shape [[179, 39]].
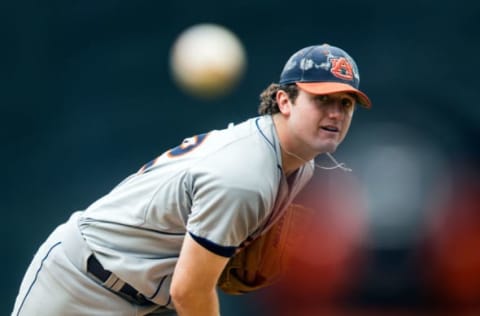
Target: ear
[[283, 102]]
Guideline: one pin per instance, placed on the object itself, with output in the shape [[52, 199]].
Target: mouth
[[330, 128]]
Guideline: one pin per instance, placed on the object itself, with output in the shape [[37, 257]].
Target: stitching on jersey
[[263, 134], [268, 141], [158, 288], [36, 276], [169, 300]]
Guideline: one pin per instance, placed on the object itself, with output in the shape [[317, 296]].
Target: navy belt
[[126, 291]]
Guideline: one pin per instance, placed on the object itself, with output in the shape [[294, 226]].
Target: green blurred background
[[87, 98]]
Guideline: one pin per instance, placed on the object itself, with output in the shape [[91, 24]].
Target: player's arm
[[193, 287]]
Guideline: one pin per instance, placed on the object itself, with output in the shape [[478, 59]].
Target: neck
[[291, 159]]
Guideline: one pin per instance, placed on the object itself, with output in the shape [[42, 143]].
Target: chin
[[329, 147]]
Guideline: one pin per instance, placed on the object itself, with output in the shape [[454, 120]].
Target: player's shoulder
[[248, 142], [239, 141], [243, 153]]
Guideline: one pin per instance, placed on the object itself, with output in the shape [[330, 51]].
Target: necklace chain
[[340, 165]]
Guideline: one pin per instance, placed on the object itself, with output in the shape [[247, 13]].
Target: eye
[[347, 102], [324, 99]]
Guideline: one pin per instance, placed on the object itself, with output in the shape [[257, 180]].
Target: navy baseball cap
[[324, 69]]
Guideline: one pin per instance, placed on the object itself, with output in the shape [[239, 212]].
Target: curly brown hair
[[268, 101]]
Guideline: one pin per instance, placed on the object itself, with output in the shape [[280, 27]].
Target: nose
[[335, 110]]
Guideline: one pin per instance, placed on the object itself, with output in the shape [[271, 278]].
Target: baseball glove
[[261, 262]]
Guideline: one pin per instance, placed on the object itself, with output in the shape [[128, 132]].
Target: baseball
[[207, 60]]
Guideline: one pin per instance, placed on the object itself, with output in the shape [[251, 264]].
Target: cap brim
[[334, 87]]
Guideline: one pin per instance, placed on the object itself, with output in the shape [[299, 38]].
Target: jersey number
[[186, 146]]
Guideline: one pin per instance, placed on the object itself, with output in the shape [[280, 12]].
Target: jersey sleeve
[[225, 212]]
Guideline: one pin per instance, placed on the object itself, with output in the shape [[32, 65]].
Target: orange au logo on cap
[[341, 68]]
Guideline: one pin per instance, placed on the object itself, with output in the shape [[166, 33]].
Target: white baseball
[[207, 60]]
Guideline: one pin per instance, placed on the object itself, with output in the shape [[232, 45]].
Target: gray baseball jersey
[[222, 188]]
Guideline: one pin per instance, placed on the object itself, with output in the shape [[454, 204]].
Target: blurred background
[[88, 97]]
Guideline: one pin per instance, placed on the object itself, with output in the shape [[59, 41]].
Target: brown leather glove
[[262, 262]]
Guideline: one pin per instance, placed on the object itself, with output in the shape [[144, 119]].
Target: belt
[[112, 282]]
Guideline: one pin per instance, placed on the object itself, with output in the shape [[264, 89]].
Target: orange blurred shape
[[324, 262], [452, 257]]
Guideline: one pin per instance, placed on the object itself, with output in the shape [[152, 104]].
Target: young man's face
[[321, 122]]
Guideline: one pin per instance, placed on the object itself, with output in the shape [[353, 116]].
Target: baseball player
[[158, 242]]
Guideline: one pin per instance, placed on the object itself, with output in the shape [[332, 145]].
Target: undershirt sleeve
[[223, 251]]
